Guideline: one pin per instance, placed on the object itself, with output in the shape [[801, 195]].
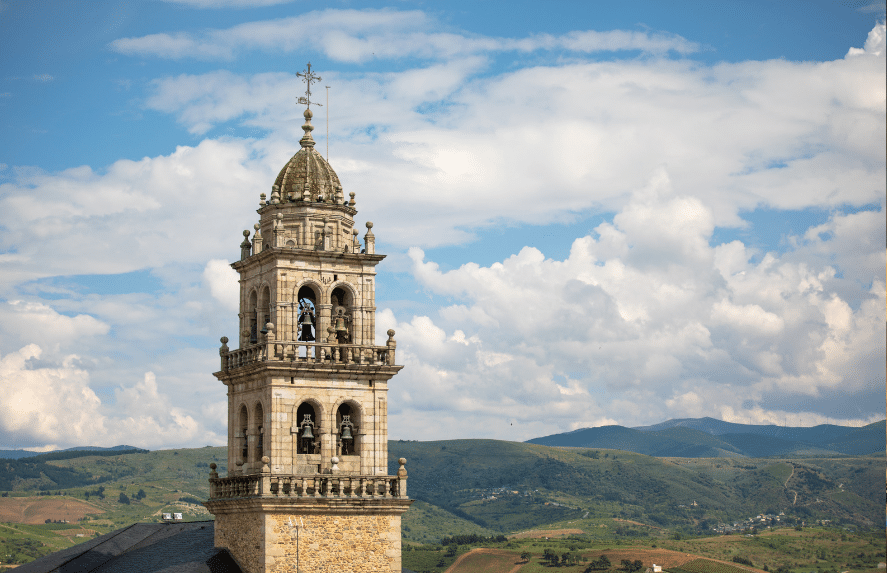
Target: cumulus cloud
[[647, 318], [133, 216], [54, 404], [627, 328], [485, 150], [223, 283], [26, 321], [360, 35]]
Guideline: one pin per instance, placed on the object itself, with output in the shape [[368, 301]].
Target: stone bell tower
[[307, 486]]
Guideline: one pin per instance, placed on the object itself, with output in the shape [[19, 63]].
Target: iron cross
[[308, 77]]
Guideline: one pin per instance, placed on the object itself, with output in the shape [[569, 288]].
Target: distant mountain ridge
[[708, 437], [19, 454]]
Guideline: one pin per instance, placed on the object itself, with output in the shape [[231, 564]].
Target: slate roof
[[142, 548]]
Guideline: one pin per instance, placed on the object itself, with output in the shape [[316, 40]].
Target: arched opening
[[308, 441], [347, 429], [253, 318], [264, 311], [243, 427], [307, 323], [259, 422], [342, 319]]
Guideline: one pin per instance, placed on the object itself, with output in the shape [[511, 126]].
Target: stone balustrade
[[308, 486], [308, 353]]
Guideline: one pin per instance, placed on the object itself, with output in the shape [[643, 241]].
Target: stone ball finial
[[279, 216], [390, 333], [307, 114], [238, 463], [402, 461], [354, 232], [245, 233], [256, 226], [224, 340], [213, 466], [266, 460], [269, 326], [369, 224], [330, 329]]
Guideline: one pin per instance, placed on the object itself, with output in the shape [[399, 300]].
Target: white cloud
[[485, 150], [22, 322], [629, 329], [361, 35], [223, 284], [54, 404], [134, 216]]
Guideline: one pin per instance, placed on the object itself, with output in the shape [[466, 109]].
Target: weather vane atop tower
[[308, 77]]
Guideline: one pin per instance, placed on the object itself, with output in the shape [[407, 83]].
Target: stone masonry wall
[[333, 543], [244, 536]]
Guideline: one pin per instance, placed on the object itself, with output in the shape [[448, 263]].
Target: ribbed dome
[[307, 165]]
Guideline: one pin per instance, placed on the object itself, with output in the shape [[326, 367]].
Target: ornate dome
[[308, 166]]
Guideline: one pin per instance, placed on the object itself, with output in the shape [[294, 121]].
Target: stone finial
[[355, 242], [390, 334], [307, 140], [369, 240], [275, 196], [245, 246], [223, 350], [265, 461], [335, 461], [212, 471], [262, 201], [239, 470], [269, 330], [257, 239], [331, 334], [402, 471], [351, 201]]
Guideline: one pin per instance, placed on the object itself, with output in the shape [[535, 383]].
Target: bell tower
[[307, 486]]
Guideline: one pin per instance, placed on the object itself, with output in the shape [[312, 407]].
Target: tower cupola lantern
[[308, 387]]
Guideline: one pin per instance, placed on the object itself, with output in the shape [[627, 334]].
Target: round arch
[[241, 431], [347, 417], [258, 427], [308, 412]]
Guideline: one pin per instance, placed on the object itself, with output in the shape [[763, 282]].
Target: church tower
[[307, 486]]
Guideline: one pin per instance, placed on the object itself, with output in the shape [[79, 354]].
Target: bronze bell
[[307, 433], [346, 433], [306, 318]]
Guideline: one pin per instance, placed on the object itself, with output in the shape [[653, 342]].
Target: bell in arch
[[306, 431], [346, 428]]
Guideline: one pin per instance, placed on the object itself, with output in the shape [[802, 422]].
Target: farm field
[[35, 510], [810, 550]]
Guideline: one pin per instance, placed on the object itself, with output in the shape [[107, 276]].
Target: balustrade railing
[[308, 353], [308, 486]]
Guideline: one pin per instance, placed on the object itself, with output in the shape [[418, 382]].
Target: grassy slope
[[812, 549], [557, 488]]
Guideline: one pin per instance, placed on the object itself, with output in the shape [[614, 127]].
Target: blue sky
[[594, 213]]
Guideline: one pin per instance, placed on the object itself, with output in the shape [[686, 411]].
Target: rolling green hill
[[707, 437], [507, 486], [490, 487]]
